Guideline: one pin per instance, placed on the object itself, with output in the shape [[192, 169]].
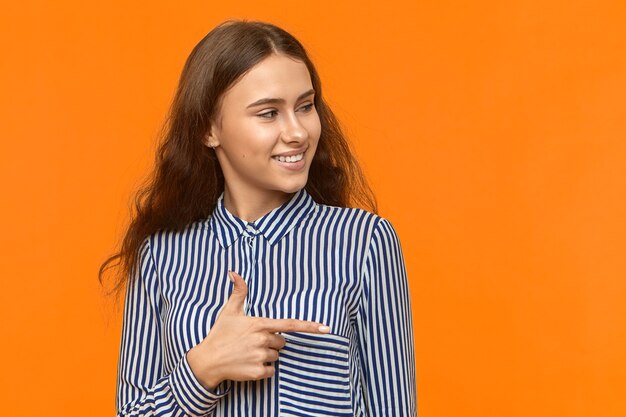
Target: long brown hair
[[187, 179]]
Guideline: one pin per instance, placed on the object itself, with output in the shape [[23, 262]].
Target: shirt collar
[[273, 225]]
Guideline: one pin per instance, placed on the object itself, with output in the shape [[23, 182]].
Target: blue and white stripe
[[339, 266]]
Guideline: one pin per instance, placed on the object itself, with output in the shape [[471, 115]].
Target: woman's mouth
[[290, 159], [294, 163]]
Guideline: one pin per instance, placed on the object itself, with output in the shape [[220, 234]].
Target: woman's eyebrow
[[279, 100]]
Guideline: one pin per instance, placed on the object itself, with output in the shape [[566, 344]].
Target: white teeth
[[294, 158]]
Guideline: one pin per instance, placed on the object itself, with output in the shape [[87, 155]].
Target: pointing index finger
[[293, 325]]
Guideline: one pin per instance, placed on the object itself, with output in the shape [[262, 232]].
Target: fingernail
[[230, 276], [324, 329]]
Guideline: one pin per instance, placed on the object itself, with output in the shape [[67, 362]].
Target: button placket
[[250, 234]]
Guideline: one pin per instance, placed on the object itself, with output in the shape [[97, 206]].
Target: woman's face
[[267, 129]]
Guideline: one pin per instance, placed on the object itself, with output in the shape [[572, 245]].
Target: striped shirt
[[342, 267]]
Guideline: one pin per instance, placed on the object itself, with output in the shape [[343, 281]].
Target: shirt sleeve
[[385, 329], [143, 387]]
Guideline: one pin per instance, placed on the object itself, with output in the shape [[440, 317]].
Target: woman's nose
[[293, 130]]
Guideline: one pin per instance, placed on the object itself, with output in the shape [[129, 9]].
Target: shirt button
[[252, 230]]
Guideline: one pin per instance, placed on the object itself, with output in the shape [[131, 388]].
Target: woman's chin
[[292, 188], [293, 185]]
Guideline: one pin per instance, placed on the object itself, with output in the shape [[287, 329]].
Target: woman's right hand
[[240, 347]]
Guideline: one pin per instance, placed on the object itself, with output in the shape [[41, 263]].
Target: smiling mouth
[[293, 158]]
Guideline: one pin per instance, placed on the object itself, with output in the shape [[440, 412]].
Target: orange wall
[[494, 133]]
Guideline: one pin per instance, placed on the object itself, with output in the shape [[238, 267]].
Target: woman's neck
[[250, 206]]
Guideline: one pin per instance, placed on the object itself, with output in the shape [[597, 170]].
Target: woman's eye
[[307, 107], [268, 114]]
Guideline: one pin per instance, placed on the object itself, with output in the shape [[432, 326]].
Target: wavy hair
[[187, 179]]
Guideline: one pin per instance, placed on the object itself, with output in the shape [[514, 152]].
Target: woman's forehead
[[277, 76]]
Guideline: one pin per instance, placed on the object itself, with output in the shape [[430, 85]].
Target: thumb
[[235, 302]]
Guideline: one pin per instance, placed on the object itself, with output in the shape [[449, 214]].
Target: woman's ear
[[210, 139]]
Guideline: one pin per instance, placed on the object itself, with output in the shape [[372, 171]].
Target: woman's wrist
[[203, 371]]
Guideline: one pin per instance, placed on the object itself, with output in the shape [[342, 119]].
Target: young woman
[[254, 176]]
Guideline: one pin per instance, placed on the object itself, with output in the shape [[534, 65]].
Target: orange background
[[494, 133]]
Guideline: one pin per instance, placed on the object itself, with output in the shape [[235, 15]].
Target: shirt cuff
[[190, 395]]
